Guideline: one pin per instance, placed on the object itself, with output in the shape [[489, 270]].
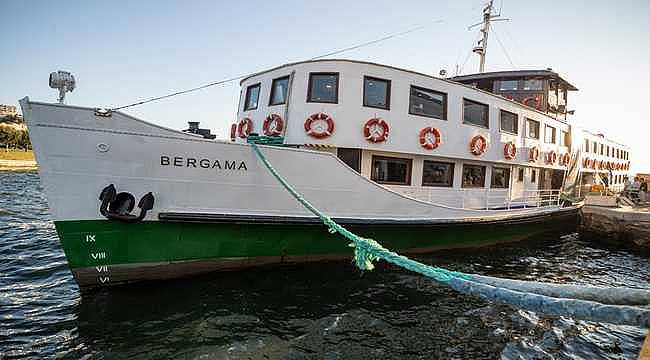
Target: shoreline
[[18, 165]]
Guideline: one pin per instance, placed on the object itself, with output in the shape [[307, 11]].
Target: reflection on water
[[323, 311]]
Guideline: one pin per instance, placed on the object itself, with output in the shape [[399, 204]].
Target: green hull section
[[102, 252]]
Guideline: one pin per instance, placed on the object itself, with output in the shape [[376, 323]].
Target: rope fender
[[588, 302]]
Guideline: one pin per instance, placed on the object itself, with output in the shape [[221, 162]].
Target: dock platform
[[626, 225]]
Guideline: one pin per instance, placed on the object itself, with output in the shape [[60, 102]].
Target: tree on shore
[[12, 138]]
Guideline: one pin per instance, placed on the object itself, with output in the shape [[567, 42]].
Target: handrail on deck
[[486, 198]]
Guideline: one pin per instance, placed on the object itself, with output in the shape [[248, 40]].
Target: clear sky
[[121, 51]]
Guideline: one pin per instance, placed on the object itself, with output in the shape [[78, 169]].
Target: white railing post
[[487, 198]]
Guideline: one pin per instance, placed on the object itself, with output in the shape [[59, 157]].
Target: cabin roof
[[514, 74]]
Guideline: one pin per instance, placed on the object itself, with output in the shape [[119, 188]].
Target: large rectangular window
[[509, 122], [566, 138], [500, 178], [437, 173], [532, 129], [429, 103], [475, 113], [252, 97], [473, 176], [376, 93], [594, 147], [352, 157], [549, 134], [323, 88], [390, 170], [533, 85], [279, 89], [587, 145], [509, 85]]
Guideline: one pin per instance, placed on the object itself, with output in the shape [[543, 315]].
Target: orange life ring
[[478, 145], [245, 127], [319, 125], [273, 125], [510, 151], [376, 130], [566, 158], [585, 162], [429, 138], [533, 154], [551, 158], [538, 102], [593, 164]]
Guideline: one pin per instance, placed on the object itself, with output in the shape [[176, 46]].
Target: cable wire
[[367, 43], [503, 48]]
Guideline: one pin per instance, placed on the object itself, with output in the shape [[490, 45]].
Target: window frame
[[453, 168], [409, 171], [487, 120], [310, 82], [507, 179], [516, 132], [539, 127], [462, 177], [247, 97], [444, 102], [272, 92], [521, 174], [388, 91], [554, 140]]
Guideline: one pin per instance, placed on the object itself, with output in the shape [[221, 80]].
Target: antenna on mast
[[481, 46]]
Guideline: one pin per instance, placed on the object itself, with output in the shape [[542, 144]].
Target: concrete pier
[[628, 226]]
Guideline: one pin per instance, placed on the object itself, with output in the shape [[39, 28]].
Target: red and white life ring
[[273, 125], [551, 157], [319, 125], [245, 127], [376, 130], [585, 162], [593, 164], [429, 138], [510, 151], [533, 154], [565, 159], [233, 132], [538, 102], [478, 145]]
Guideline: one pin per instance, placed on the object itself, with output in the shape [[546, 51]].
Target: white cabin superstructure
[[487, 180]]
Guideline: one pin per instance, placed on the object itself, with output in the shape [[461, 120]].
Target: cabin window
[[533, 176], [618, 155], [376, 93], [607, 150], [473, 176], [323, 88], [351, 157], [602, 149], [509, 85], [520, 175], [391, 171], [509, 122], [279, 89], [594, 147], [533, 84], [429, 103], [566, 138], [532, 129], [500, 178], [475, 113], [549, 134], [437, 174], [252, 97], [587, 146]]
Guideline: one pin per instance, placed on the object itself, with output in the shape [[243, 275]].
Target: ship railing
[[484, 198]]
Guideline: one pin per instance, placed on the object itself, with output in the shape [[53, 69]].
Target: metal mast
[[481, 46]]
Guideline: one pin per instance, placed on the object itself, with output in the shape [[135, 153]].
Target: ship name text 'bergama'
[[180, 161]]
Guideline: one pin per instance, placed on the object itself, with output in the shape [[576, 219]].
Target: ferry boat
[[414, 161]]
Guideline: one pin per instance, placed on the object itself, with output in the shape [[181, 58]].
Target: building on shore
[[8, 110]]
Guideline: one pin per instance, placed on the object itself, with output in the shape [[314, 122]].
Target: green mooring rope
[[581, 302], [366, 251]]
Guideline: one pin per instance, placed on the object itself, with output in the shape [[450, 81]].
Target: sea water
[[316, 311]]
